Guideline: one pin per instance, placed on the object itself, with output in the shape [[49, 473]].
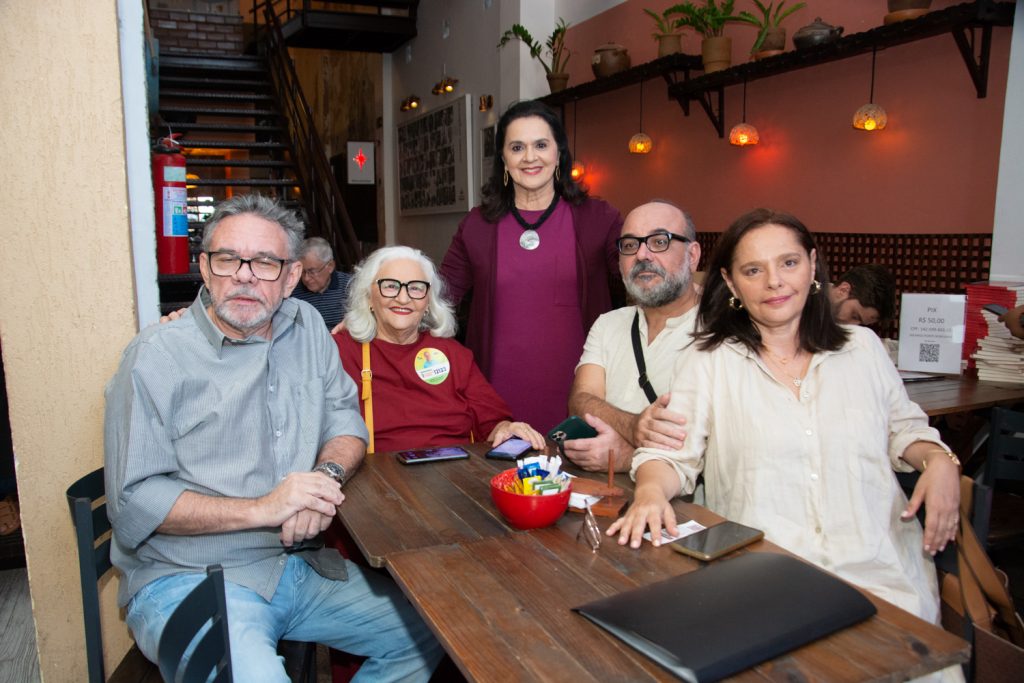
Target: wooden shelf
[[964, 22]]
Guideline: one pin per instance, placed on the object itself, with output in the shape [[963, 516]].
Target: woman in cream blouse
[[798, 423]]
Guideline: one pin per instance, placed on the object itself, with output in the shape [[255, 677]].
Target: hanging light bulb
[[578, 169], [743, 134], [641, 143], [870, 116]]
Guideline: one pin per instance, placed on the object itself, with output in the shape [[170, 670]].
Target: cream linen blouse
[[816, 474]]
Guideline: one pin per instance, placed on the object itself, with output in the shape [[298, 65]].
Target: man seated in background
[[658, 255], [322, 285], [865, 295], [228, 435]]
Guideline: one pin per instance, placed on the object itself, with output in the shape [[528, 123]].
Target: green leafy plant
[[555, 45], [708, 19], [768, 20], [664, 24]]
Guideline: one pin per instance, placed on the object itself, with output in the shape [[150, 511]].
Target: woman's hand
[[1012, 320], [650, 509], [939, 490], [506, 429]]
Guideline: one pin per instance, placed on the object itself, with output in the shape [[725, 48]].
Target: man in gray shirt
[[228, 436]]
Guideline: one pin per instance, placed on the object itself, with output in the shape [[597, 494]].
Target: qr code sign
[[929, 353]]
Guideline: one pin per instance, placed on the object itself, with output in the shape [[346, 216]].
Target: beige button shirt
[[815, 473]]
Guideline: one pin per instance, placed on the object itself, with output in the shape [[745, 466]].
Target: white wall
[[1008, 231]]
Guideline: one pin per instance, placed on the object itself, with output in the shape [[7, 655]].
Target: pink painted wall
[[932, 170]]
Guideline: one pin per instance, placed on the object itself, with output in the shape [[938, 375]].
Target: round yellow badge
[[432, 365]]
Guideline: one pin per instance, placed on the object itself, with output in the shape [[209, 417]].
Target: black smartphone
[[717, 540], [573, 427], [432, 455], [995, 308], [509, 449]]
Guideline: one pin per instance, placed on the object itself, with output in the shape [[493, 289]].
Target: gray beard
[[665, 292], [242, 324]]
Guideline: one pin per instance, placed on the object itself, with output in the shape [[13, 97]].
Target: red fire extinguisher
[[170, 193]]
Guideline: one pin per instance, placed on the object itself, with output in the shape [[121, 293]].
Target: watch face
[[332, 470]]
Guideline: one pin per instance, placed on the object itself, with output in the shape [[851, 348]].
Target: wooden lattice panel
[[941, 264]]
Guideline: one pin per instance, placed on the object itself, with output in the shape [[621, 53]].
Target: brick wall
[[190, 32]]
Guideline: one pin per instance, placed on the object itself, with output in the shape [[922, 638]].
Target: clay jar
[[609, 59], [816, 33]]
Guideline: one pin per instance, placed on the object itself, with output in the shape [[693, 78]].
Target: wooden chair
[[87, 501], [1004, 470], [186, 632]]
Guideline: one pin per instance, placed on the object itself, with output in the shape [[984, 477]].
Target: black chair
[[1004, 470], [185, 631], [87, 501]]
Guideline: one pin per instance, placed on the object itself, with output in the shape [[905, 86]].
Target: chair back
[[1005, 447], [186, 630], [91, 525]]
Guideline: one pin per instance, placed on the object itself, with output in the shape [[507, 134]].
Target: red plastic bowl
[[527, 512]]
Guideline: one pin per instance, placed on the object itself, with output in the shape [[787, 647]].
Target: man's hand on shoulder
[[592, 454], [659, 427], [173, 315]]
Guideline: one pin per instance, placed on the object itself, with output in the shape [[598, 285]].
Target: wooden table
[[961, 394], [499, 600]]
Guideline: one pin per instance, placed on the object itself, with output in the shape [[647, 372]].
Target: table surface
[[961, 394], [499, 600]]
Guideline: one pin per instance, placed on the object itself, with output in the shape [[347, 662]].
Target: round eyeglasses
[[226, 264], [656, 242], [416, 289]]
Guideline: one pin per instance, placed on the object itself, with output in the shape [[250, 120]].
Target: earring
[[506, 177], [817, 287], [558, 175], [735, 304]]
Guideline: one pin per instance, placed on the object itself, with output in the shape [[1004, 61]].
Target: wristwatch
[[949, 454], [332, 470]]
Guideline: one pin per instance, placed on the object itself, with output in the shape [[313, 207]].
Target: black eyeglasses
[[316, 271], [226, 264], [416, 289], [656, 242]]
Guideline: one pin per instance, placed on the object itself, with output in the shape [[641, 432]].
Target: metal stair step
[[213, 83], [208, 95], [218, 111], [227, 127], [191, 161], [231, 144], [222, 65], [244, 182]]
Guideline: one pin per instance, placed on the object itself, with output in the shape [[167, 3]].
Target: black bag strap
[[641, 366]]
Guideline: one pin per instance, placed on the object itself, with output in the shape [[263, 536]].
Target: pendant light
[[641, 143], [578, 169], [743, 133], [870, 116]]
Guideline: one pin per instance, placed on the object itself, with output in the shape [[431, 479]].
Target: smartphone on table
[[423, 455], [995, 308], [717, 540], [573, 427], [509, 449]]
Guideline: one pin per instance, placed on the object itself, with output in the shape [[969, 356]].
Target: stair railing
[[325, 209]]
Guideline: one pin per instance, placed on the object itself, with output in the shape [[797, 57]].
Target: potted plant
[[667, 31], [709, 20], [555, 71], [771, 37]]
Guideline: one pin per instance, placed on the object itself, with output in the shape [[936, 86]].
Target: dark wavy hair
[[874, 286], [498, 199], [718, 322]]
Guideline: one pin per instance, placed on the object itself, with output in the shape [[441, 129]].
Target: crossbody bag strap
[[367, 395], [641, 366], [979, 581]]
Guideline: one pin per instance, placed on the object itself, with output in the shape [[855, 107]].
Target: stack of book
[[998, 355], [976, 325]]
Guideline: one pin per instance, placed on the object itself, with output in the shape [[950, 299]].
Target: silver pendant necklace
[[530, 239]]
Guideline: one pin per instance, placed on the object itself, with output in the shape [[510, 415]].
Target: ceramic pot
[[816, 33], [716, 53], [669, 44], [558, 81], [609, 59], [774, 39], [901, 10]]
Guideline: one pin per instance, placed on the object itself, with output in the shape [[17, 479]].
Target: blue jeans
[[366, 615]]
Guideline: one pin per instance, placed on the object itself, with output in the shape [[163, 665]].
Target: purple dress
[[537, 302]]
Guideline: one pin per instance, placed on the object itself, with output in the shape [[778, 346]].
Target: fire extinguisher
[[170, 193]]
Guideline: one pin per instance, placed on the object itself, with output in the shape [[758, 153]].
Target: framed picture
[[434, 161], [487, 153]]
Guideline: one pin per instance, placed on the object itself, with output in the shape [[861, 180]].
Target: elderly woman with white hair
[[425, 388]]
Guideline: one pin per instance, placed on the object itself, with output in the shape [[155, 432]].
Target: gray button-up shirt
[[191, 409]]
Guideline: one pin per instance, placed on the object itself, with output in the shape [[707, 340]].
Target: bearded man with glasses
[[229, 433], [627, 405]]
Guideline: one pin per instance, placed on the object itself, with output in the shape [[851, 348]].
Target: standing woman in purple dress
[[539, 256]]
